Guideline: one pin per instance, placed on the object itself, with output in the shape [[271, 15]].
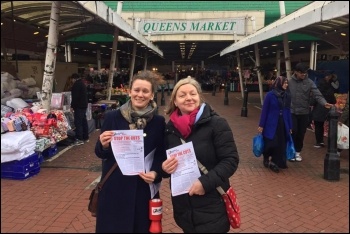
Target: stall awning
[[318, 12]]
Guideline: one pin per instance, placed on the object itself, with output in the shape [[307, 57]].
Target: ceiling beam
[[108, 15], [66, 26]]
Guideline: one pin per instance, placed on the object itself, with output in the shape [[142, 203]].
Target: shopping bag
[[343, 137], [258, 145], [232, 208], [290, 150]]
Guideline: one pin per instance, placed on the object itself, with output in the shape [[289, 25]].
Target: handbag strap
[[205, 171], [100, 184]]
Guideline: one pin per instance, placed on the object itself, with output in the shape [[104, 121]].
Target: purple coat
[[270, 114]]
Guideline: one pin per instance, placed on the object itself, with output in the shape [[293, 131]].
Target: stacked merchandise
[[46, 130], [18, 158], [340, 104], [12, 87], [341, 101]]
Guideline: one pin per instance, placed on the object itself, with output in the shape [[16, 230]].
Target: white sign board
[[207, 26]]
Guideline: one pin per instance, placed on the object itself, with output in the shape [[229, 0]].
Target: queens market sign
[[207, 26]]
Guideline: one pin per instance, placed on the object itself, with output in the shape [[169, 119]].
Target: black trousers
[[300, 123], [319, 131], [81, 125]]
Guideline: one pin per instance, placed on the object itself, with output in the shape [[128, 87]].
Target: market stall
[[29, 132]]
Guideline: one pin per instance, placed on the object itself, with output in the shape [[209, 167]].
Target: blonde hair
[[154, 78], [189, 80]]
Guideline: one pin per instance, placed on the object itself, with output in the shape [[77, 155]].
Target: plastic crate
[[19, 175], [41, 157], [21, 166], [21, 169], [50, 152]]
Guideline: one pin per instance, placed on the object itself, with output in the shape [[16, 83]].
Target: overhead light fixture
[[92, 43], [36, 33], [343, 34]]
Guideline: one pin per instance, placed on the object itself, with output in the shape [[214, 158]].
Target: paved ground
[[298, 199]]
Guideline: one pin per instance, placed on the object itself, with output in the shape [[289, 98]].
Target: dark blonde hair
[[154, 78], [189, 80]]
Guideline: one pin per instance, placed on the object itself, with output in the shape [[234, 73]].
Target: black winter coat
[[123, 204], [319, 112], [215, 148], [79, 95]]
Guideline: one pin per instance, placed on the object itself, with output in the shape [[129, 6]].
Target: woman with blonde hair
[[191, 119]]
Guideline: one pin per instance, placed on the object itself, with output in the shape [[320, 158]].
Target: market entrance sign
[[207, 26]]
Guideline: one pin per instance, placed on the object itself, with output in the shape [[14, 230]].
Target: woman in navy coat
[[276, 124], [123, 203]]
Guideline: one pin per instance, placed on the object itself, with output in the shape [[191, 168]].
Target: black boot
[[266, 163], [274, 167]]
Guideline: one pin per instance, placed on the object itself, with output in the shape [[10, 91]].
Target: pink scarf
[[184, 123]]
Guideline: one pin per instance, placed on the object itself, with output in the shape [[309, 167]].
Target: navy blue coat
[[270, 114], [123, 204]]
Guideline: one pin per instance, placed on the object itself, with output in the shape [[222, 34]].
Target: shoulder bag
[[93, 200], [230, 198]]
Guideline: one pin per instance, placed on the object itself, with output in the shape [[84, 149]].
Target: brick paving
[[297, 199]]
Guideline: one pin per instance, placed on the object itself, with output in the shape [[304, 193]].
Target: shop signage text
[[207, 26]]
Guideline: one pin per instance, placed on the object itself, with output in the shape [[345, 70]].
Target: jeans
[[300, 123], [81, 125]]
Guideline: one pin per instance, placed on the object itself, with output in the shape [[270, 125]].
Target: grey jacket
[[301, 91]]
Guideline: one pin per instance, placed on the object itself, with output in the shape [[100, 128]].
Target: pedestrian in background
[[302, 89], [276, 124], [123, 202], [344, 118], [319, 112], [79, 104], [202, 210]]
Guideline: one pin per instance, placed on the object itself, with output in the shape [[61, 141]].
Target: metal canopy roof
[[323, 19], [76, 21], [76, 18]]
